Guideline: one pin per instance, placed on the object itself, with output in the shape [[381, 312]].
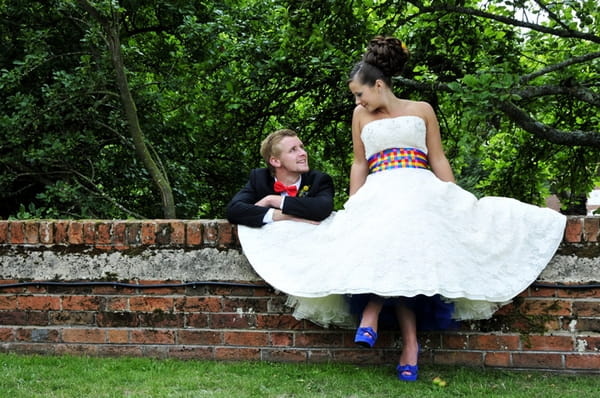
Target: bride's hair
[[385, 57]]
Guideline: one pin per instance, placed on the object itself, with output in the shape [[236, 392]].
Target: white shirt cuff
[[268, 217]]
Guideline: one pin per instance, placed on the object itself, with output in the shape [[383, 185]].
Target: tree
[[110, 26], [514, 84]]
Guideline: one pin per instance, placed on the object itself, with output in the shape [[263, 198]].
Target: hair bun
[[388, 54]]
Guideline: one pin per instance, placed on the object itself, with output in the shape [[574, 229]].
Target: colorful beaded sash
[[395, 158]]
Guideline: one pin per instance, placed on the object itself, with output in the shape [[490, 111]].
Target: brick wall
[[552, 325]]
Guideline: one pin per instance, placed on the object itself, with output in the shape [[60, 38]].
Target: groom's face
[[292, 157]]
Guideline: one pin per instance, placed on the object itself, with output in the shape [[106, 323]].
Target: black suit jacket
[[313, 202]]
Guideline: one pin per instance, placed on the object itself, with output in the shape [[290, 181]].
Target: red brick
[[497, 359], [225, 234], [211, 233], [163, 233], [357, 356], [574, 229], [537, 361], [161, 290], [194, 233], [586, 308], [89, 232], [197, 320], [149, 304], [199, 337], [252, 339], [37, 335], [152, 336], [160, 319], [32, 232], [494, 342], [588, 324], [235, 240], [246, 304], [177, 233], [4, 231], [547, 307], [134, 232], [148, 233], [38, 303], [77, 349], [61, 232], [127, 351], [464, 358], [28, 318], [46, 232], [83, 335], [232, 321], [117, 319], [194, 353], [8, 302], [276, 321], [113, 289], [6, 334], [579, 293], [455, 341], [236, 354], [103, 234], [72, 318], [591, 227], [285, 355], [592, 343], [319, 339], [81, 303], [282, 339], [199, 304], [117, 304], [75, 233], [119, 234], [17, 232], [548, 343], [542, 292], [117, 336], [583, 361]]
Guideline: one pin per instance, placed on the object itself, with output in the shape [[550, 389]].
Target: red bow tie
[[280, 187]]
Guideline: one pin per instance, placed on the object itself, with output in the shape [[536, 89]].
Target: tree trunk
[[141, 149]]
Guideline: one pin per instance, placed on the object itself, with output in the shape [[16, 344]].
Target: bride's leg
[[408, 331], [370, 315], [366, 335]]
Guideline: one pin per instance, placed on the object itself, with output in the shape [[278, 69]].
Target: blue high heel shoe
[[365, 337], [409, 372]]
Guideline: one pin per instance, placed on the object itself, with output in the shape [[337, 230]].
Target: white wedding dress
[[406, 233]]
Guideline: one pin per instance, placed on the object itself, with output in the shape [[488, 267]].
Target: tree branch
[[560, 65], [580, 93], [556, 136], [439, 6]]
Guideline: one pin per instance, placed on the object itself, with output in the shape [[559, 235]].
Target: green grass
[[48, 376]]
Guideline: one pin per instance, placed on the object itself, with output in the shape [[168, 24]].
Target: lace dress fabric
[[405, 233]]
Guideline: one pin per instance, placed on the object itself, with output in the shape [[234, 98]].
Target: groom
[[286, 190]]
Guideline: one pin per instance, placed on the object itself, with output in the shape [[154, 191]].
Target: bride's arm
[[435, 152], [360, 167]]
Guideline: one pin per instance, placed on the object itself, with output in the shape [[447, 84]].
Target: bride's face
[[365, 95]]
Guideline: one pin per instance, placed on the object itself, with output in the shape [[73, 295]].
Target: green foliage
[[211, 79]]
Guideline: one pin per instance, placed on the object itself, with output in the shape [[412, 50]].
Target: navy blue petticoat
[[432, 312]]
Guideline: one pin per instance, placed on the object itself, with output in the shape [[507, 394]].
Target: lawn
[[63, 376]]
